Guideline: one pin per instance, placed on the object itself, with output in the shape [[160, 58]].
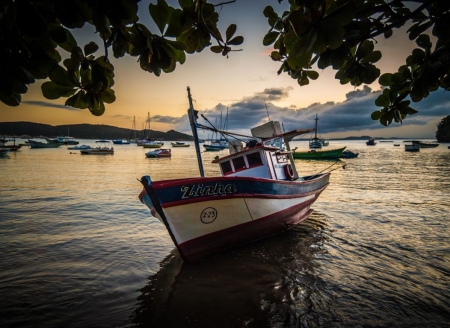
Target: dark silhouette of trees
[[312, 33], [443, 130]]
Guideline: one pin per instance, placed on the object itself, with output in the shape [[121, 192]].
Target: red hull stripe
[[220, 197]]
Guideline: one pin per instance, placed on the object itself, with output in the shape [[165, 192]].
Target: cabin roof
[[249, 150]]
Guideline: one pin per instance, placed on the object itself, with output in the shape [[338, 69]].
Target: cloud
[[349, 116], [49, 104]]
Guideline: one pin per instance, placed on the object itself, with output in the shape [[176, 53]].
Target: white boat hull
[[219, 221]]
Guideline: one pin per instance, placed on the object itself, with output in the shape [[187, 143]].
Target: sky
[[245, 85]]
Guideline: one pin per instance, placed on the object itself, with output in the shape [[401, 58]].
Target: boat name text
[[196, 190]]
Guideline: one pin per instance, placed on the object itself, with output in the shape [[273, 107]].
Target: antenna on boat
[[267, 110], [193, 122]]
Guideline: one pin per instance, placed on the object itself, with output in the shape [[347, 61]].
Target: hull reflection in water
[[241, 287]]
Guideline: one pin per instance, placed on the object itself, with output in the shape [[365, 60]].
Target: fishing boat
[[79, 147], [215, 146], [179, 144], [4, 151], [424, 144], [348, 154], [13, 147], [315, 142], [152, 144], [98, 151], [159, 153], [39, 144], [371, 142], [412, 147], [63, 140], [318, 154], [258, 193]]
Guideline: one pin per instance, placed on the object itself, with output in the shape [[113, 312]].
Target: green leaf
[[388, 33], [382, 101], [96, 107], [344, 14], [77, 54], [376, 115], [160, 14], [299, 22], [108, 96], [77, 100], [57, 33], [364, 48], [385, 79], [51, 90], [101, 22], [276, 56], [230, 32], [59, 75], [423, 41], [90, 48], [12, 99], [269, 12], [372, 57], [69, 43], [415, 30], [236, 41], [175, 24], [411, 111], [313, 75], [334, 33], [270, 38], [216, 49]]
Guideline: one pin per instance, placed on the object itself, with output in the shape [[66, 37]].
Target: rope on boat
[[337, 168], [222, 133]]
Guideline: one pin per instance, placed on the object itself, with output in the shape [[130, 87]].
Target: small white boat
[[179, 144], [259, 193], [371, 142], [121, 142], [101, 150], [39, 144], [79, 147], [315, 142], [4, 151], [215, 146], [425, 144], [152, 144]]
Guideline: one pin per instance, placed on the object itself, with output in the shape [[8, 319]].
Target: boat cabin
[[266, 155]]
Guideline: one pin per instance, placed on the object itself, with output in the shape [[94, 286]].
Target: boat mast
[[193, 122], [315, 132]]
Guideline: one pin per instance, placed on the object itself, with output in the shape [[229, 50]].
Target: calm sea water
[[78, 249]]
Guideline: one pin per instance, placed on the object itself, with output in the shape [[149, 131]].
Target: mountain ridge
[[85, 131]]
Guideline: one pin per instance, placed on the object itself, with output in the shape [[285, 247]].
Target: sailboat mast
[[315, 132], [193, 122]]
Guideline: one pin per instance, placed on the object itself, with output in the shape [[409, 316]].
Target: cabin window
[[226, 167], [254, 159], [239, 163]]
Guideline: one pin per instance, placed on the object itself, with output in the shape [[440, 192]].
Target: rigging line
[[222, 133], [343, 166]]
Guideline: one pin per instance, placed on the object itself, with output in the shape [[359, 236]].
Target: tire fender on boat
[[289, 171]]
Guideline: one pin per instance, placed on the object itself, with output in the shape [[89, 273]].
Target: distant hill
[[84, 131]]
